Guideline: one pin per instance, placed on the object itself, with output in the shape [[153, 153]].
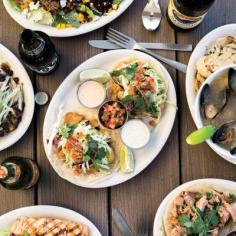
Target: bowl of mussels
[[215, 112]]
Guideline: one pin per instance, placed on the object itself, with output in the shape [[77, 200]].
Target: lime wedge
[[5, 232], [97, 74], [201, 135], [126, 159]]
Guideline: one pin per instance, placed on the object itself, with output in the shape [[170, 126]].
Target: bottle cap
[[41, 98], [3, 172]]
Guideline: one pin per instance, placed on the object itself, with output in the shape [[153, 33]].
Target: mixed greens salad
[[83, 146], [141, 88], [64, 13]]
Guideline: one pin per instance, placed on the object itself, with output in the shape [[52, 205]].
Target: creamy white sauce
[[91, 94], [135, 134]]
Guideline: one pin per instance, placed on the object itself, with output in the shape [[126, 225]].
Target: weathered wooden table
[[177, 162]]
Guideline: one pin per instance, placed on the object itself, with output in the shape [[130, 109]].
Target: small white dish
[[135, 134], [158, 229], [54, 32], [200, 51], [19, 71], [67, 93], [47, 211], [198, 119]]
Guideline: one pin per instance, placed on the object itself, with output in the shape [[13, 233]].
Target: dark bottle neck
[[28, 37]]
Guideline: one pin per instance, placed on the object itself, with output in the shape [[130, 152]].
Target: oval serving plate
[[53, 32], [199, 51], [158, 229], [47, 211], [67, 92], [19, 71]]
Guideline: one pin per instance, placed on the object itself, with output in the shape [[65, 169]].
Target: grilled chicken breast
[[47, 227]]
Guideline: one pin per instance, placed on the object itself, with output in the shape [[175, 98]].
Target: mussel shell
[[212, 105], [233, 151], [225, 133], [232, 80]]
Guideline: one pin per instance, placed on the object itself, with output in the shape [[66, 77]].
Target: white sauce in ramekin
[[135, 134], [91, 93]]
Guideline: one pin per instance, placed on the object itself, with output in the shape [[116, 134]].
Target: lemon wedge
[[126, 160], [100, 75]]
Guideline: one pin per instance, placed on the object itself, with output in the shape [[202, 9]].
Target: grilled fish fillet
[[47, 227]]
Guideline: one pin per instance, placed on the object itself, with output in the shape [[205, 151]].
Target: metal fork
[[143, 228], [127, 42]]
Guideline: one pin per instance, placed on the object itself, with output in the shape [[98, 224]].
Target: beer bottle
[[18, 173], [38, 52], [187, 14]]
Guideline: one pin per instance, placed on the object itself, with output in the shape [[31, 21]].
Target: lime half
[[201, 135], [97, 74], [126, 159]]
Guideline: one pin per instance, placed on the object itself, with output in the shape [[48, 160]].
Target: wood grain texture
[[140, 197], [201, 161], [25, 147], [52, 189]]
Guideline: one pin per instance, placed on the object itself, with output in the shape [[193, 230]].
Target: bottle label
[[182, 21], [13, 173], [3, 172]]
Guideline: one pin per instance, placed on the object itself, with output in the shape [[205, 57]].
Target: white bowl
[[19, 71], [47, 211], [200, 51], [54, 32], [226, 185], [198, 119]]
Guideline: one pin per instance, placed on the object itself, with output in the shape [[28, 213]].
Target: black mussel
[[225, 134], [233, 151], [232, 80], [212, 105]]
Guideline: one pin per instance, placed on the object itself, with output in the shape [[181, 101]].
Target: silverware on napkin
[[121, 223], [129, 43], [108, 45]]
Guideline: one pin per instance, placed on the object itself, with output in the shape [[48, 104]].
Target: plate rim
[[180, 188], [70, 32], [51, 208], [20, 131], [72, 74]]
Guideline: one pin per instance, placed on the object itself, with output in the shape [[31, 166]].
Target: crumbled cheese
[[25, 13], [34, 6]]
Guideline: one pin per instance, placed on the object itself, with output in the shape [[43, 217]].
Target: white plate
[[67, 93], [47, 211], [199, 52], [158, 221], [52, 31], [19, 71]]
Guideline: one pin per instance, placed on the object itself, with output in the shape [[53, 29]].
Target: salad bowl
[[67, 32]]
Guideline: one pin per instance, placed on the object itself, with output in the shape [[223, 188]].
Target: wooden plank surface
[[201, 161], [177, 162], [9, 35], [140, 197]]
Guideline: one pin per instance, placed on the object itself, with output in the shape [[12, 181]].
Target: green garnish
[[67, 130]]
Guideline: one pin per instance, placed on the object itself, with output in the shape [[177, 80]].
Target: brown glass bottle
[[187, 14], [18, 173], [38, 52]]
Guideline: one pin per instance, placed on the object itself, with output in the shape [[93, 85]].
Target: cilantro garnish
[[67, 130]]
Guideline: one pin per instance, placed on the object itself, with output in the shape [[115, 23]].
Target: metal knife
[[121, 223], [106, 44]]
